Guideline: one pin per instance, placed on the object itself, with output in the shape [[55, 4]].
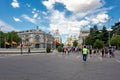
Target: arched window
[[37, 38]]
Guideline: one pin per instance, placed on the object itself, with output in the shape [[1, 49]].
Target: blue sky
[[69, 16]]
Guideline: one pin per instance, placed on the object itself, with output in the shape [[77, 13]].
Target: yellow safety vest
[[85, 50]]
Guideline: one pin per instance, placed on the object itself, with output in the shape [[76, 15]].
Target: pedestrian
[[90, 52], [94, 52], [84, 53], [102, 52], [29, 50], [106, 52], [64, 50], [111, 54]]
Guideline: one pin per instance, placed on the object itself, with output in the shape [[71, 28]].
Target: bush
[[48, 49], [60, 49]]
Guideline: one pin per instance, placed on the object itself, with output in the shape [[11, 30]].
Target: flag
[[13, 42], [7, 43], [46, 40]]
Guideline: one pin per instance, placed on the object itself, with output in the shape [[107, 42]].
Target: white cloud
[[28, 5], [66, 25], [33, 12], [6, 27], [49, 4], [35, 15], [99, 19], [83, 5], [44, 13], [34, 9], [76, 5], [17, 19], [84, 13], [29, 19], [15, 4]]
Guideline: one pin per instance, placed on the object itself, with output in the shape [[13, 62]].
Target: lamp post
[[109, 30], [46, 42], [21, 46], [51, 44], [83, 37]]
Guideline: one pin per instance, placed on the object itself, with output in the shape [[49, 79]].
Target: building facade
[[57, 36], [36, 38], [83, 34], [70, 40]]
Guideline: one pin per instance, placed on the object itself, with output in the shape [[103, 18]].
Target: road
[[58, 67]]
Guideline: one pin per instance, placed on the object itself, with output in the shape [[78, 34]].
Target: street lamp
[[51, 44], [109, 30], [46, 41], [21, 46]]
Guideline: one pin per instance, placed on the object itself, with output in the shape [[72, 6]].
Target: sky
[[69, 16]]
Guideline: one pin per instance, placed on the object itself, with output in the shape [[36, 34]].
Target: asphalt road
[[58, 67]]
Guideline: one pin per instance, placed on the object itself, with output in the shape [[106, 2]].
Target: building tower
[[57, 36]]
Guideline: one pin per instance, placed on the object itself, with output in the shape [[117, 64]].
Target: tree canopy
[[99, 38], [9, 39]]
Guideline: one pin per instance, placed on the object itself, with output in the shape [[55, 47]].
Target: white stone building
[[57, 36], [83, 34], [36, 38]]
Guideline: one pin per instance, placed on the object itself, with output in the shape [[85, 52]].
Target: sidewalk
[[24, 54], [18, 51]]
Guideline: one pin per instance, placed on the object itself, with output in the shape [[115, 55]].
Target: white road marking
[[2, 57], [117, 60]]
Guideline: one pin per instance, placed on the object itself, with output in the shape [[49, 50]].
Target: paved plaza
[[55, 66]]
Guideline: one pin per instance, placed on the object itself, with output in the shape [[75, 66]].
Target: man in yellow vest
[[84, 52]]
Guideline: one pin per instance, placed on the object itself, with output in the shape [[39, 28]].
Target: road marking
[[117, 60], [2, 57]]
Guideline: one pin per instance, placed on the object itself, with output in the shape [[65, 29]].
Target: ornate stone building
[[36, 38], [57, 36], [69, 41], [82, 36]]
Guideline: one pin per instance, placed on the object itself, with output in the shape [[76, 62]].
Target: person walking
[[29, 50], [111, 54], [102, 52], [84, 53], [90, 52], [106, 51]]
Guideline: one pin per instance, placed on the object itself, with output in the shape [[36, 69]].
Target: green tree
[[61, 45], [116, 29], [98, 44], [48, 49], [2, 41], [75, 43], [15, 37], [115, 40], [9, 37], [92, 36], [104, 35], [88, 40]]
